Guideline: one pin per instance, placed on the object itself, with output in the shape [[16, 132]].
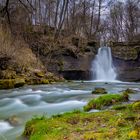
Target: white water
[[4, 126], [30, 101], [102, 66]]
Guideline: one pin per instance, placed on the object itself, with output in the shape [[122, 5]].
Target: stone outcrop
[[70, 66], [71, 59], [126, 57]]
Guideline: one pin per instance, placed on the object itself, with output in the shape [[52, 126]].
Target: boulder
[[39, 73], [14, 120], [7, 83], [19, 82]]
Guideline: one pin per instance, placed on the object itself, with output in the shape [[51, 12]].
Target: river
[[31, 101]]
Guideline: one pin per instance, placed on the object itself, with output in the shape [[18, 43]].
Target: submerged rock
[[99, 91], [14, 120], [129, 91]]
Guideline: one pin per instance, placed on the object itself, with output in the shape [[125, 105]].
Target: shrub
[[17, 51]]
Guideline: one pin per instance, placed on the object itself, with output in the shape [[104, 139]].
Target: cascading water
[[102, 66]]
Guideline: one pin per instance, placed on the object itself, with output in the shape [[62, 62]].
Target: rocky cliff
[[126, 58], [70, 57]]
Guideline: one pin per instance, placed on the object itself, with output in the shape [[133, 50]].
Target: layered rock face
[[126, 57], [72, 65], [71, 59], [68, 58]]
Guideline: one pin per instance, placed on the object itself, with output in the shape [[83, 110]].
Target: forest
[[105, 20]]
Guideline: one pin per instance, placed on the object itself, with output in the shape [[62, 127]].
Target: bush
[[16, 51]]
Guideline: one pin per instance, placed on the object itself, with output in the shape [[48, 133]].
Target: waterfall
[[102, 66]]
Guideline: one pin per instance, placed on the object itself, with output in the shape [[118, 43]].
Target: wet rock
[[14, 120], [129, 91], [11, 83], [99, 91], [39, 73], [45, 81], [19, 82], [6, 83]]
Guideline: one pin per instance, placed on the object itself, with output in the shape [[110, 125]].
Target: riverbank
[[118, 118], [122, 123], [34, 77], [19, 105]]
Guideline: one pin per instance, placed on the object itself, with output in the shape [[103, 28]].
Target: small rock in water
[[129, 91], [14, 120], [99, 91]]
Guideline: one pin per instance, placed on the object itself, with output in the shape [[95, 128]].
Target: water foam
[[5, 126]]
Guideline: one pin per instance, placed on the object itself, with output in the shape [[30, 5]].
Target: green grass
[[105, 100], [76, 125]]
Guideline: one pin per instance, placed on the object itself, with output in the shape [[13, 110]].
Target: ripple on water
[[34, 91], [75, 92], [12, 103], [31, 97], [64, 104]]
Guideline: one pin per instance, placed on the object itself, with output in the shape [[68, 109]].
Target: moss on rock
[[129, 91], [105, 100], [19, 82], [7, 83], [99, 91], [11, 83], [40, 74]]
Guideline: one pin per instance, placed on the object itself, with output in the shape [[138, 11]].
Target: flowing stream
[[102, 66], [29, 101]]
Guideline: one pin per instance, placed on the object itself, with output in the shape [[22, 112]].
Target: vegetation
[[114, 20], [39, 34], [105, 100], [120, 124]]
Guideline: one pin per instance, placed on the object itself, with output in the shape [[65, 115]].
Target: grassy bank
[[115, 124], [106, 100]]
